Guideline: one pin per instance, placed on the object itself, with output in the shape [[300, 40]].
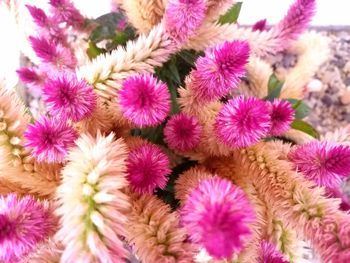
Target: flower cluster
[[165, 136]]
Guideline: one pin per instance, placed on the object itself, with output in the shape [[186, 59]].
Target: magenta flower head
[[282, 115], [67, 97], [324, 163], [259, 25], [182, 132], [183, 17], [23, 224], [49, 139], [217, 215], [39, 16], [242, 122], [269, 254], [51, 53], [144, 100], [219, 71], [31, 77], [148, 167], [64, 11]]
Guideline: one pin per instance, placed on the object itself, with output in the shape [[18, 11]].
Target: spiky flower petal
[[92, 206], [23, 223], [148, 168], [64, 11], [31, 77], [46, 252], [69, 98], [269, 254], [49, 139], [182, 132], [219, 71], [243, 122], [217, 215], [183, 17], [324, 163], [282, 115], [155, 232], [144, 100]]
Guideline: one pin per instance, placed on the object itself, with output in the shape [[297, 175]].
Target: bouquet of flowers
[[165, 134]]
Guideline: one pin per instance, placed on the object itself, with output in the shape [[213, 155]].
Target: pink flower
[[65, 11], [219, 71], [217, 216], [183, 17], [282, 115], [67, 97], [148, 168], [144, 100], [322, 162], [31, 77], [259, 25], [23, 224], [337, 193], [182, 132], [39, 16], [269, 254], [51, 53], [242, 122], [49, 139]]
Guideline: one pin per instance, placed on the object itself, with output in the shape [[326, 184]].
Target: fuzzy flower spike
[[217, 216], [49, 139], [69, 98], [148, 168], [243, 122], [23, 223], [282, 115], [144, 100], [322, 162], [219, 71], [182, 132]]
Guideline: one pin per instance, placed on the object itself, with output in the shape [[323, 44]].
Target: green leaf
[[301, 108], [305, 127], [274, 88], [231, 15], [93, 50]]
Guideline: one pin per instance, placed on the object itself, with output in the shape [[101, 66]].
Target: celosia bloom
[[182, 132], [49, 139], [155, 233], [337, 193], [322, 162], [148, 168], [93, 207], [144, 100], [48, 251], [64, 11], [183, 17], [282, 115], [243, 122], [67, 97], [269, 254], [219, 71], [259, 25], [38, 15], [23, 223], [30, 77], [217, 216]]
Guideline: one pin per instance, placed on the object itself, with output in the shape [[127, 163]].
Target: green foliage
[[301, 109], [305, 127], [231, 15], [274, 88]]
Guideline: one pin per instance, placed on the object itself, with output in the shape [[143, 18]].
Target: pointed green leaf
[[231, 15], [301, 108], [93, 50], [274, 88], [305, 127]]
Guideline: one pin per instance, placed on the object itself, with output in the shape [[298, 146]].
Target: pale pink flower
[[270, 254]]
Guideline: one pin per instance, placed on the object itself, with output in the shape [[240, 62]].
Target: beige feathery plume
[[16, 165], [188, 180], [313, 51], [49, 251], [154, 232], [93, 207], [107, 72], [340, 135], [298, 137], [144, 14]]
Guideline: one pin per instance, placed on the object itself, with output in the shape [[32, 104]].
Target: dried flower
[[92, 206], [183, 17], [182, 132], [243, 122], [23, 223], [148, 168], [144, 100], [217, 215], [67, 97], [324, 163], [219, 71], [269, 254], [49, 139], [282, 115]]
